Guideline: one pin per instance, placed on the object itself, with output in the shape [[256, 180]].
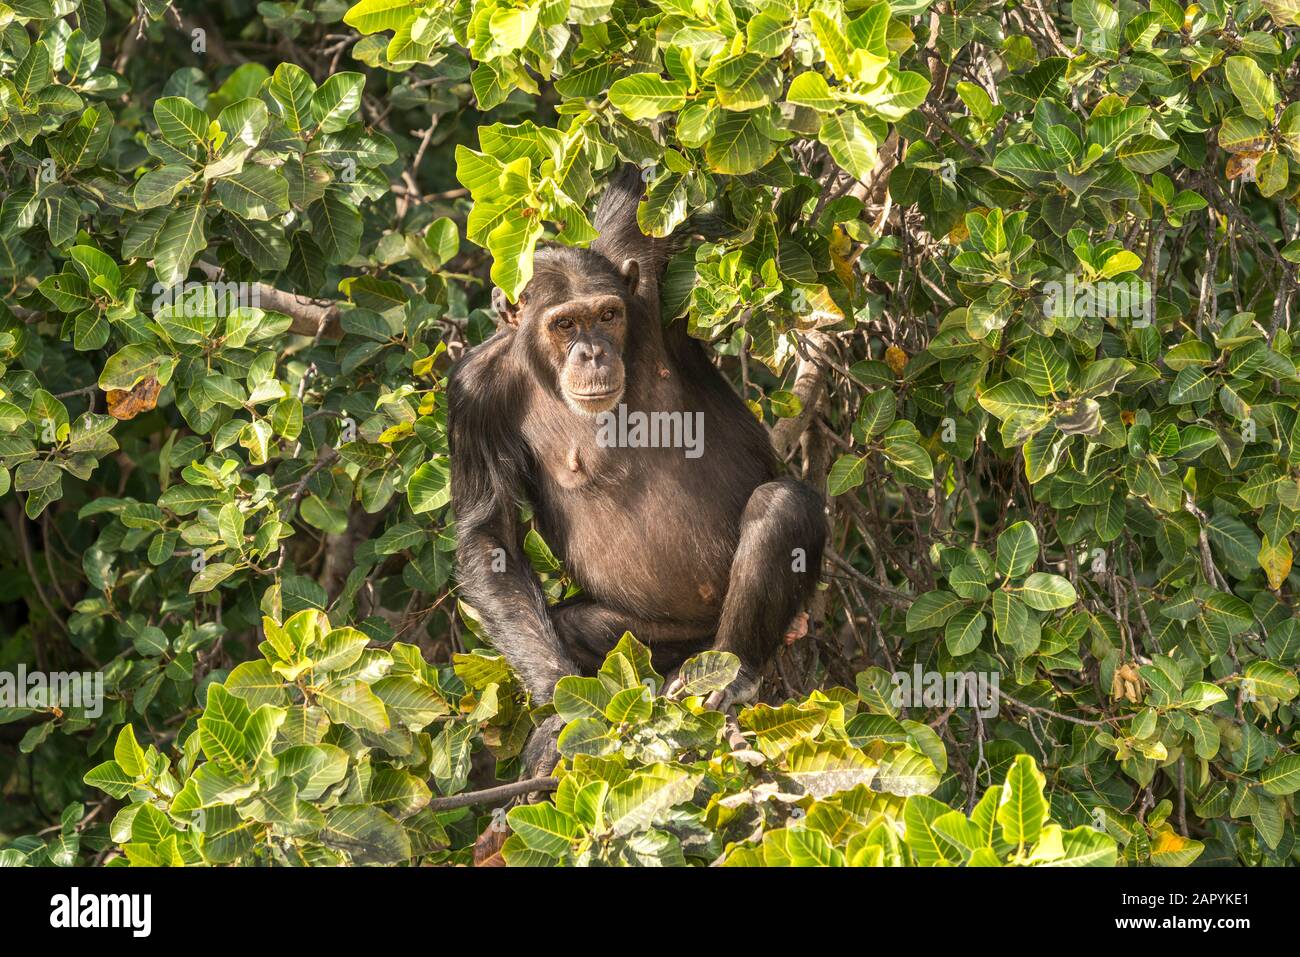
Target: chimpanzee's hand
[[541, 752], [741, 690]]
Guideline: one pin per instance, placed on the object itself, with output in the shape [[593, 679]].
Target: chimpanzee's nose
[[592, 352]]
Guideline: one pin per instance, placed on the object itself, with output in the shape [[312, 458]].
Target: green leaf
[[1011, 397], [354, 704], [511, 27], [1252, 87], [243, 123], [810, 89], [932, 610], [1191, 385], [336, 227], [128, 366], [33, 73], [928, 847], [897, 95], [578, 697], [908, 456], [1017, 550], [1085, 847], [406, 701], [67, 291], [181, 239], [1145, 154], [876, 414], [1046, 592], [110, 778], [212, 575], [159, 187], [1046, 370], [740, 144], [430, 486], [1283, 776], [643, 96], [366, 834], [1265, 679], [543, 828], [255, 192], [181, 123], [639, 801], [292, 87], [1023, 808], [128, 754], [372, 16], [337, 99], [664, 207], [963, 632], [629, 706], [443, 240], [850, 143], [846, 474], [511, 243], [707, 672]]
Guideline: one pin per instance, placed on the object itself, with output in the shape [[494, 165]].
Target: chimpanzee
[[686, 548]]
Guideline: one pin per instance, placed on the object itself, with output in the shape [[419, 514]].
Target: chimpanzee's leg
[[588, 631], [774, 572]]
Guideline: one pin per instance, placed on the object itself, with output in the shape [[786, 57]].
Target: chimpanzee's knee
[[785, 519]]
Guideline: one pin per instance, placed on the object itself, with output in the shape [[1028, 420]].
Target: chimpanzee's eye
[[564, 325], [608, 316]]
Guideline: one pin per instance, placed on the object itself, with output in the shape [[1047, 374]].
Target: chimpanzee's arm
[[489, 464]]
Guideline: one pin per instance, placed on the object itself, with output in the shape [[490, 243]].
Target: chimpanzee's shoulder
[[483, 371]]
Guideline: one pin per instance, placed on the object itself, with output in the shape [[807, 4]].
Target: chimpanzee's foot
[[745, 686], [742, 689], [541, 752]]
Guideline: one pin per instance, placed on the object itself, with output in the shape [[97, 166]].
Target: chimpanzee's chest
[[573, 461], [654, 429], [629, 458], [643, 510]]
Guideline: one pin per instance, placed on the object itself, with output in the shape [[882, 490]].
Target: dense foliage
[[1012, 281]]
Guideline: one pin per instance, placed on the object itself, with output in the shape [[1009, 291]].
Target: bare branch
[[311, 317], [493, 795]]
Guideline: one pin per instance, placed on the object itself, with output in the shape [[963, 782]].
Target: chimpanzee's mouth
[[594, 403]]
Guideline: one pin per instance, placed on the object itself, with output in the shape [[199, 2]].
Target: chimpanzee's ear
[[631, 271], [506, 310]]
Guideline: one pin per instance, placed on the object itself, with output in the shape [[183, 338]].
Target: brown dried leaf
[[142, 397], [1242, 165], [1126, 684], [487, 849]]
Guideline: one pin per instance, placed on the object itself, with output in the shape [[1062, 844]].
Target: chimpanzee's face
[[578, 323], [585, 338]]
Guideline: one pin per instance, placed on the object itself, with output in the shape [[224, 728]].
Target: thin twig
[[493, 795]]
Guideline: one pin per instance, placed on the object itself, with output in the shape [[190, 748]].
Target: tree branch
[[809, 380], [311, 317], [493, 795]]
